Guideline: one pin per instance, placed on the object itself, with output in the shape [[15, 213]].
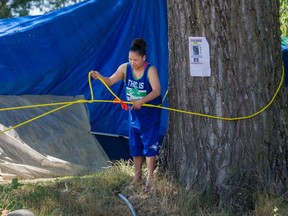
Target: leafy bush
[[8, 199]]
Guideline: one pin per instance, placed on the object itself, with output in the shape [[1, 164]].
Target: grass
[[97, 195]]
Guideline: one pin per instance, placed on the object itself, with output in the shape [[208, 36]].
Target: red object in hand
[[123, 105]]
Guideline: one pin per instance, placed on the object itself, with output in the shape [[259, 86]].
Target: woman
[[142, 86]]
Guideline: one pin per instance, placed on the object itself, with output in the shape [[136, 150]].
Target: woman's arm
[[156, 89], [117, 76]]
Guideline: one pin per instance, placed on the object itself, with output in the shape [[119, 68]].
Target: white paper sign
[[199, 54]]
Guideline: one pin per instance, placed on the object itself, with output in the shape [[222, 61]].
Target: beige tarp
[[58, 144]]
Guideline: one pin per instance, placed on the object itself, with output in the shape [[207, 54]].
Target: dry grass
[[268, 205], [97, 195]]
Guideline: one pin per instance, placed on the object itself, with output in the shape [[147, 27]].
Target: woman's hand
[[95, 74], [137, 104]]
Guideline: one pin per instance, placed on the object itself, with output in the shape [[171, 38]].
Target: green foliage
[[8, 199], [97, 194], [15, 8], [284, 17]]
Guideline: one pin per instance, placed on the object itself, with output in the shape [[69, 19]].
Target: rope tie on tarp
[[124, 105]]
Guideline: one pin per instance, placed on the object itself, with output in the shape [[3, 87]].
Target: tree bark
[[227, 159]]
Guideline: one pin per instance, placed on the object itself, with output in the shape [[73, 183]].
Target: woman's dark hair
[[139, 45]]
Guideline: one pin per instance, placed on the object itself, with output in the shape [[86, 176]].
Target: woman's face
[[136, 60]]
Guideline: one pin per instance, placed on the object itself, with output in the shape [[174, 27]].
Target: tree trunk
[[227, 159]]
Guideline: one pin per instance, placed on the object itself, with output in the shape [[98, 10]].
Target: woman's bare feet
[[135, 183], [148, 185]]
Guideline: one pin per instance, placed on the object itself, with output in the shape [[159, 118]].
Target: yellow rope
[[37, 117], [207, 115], [90, 86], [163, 99], [69, 103]]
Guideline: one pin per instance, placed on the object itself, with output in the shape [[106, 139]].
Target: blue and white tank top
[[137, 88]]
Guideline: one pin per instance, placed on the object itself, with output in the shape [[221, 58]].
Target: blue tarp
[[53, 53], [284, 45]]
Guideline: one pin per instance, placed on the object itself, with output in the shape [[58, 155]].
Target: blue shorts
[[145, 142]]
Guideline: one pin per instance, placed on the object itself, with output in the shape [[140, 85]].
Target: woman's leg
[[138, 161], [150, 161]]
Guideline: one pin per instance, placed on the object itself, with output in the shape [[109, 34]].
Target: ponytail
[[139, 45]]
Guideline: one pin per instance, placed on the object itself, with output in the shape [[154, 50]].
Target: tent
[[52, 54], [58, 144]]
